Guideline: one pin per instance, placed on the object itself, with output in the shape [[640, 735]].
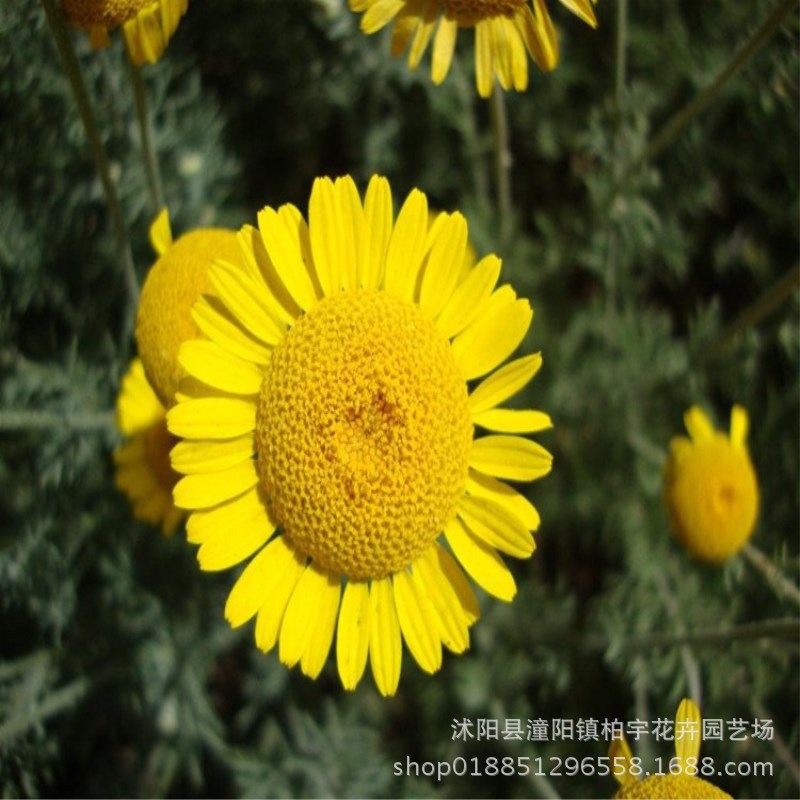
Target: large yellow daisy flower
[[143, 470], [329, 430], [148, 25], [504, 30], [710, 486], [681, 779]]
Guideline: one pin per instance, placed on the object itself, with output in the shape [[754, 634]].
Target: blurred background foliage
[[118, 674]]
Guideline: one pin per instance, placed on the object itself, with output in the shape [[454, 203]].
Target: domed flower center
[[674, 786], [105, 13], [480, 9], [363, 434], [158, 442]]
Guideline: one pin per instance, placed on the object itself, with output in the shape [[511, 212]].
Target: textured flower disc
[[504, 30], [328, 434], [363, 434], [148, 24], [143, 469], [710, 487], [164, 317], [671, 787]]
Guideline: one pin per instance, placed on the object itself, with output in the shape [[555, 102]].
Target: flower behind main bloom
[[710, 487], [329, 432], [143, 470], [148, 25], [504, 30]]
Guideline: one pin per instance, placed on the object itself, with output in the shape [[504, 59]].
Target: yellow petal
[[501, 493], [491, 338], [227, 547], [510, 457], [455, 576], [470, 297], [496, 526], [308, 617], [287, 569], [502, 53], [416, 623], [378, 231], [687, 731], [324, 625], [211, 488], [324, 225], [484, 60], [443, 48], [620, 755], [507, 420], [259, 267], [740, 424], [161, 233], [405, 24], [379, 14], [248, 300], [422, 35], [351, 234], [216, 367], [444, 264], [504, 383], [698, 425], [286, 257], [251, 591], [191, 457], [204, 524], [352, 635], [582, 9], [385, 645], [481, 561], [407, 247], [546, 55], [212, 418], [451, 623], [518, 59], [213, 319]]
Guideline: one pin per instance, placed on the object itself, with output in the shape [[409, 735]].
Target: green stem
[[502, 162], [146, 135], [66, 52], [776, 579], [765, 305], [99, 421], [675, 125], [783, 750]]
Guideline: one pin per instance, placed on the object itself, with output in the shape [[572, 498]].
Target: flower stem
[[146, 135], [673, 128], [66, 52], [620, 59], [772, 572], [502, 162]]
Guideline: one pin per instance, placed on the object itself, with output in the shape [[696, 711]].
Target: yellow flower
[[330, 428], [504, 30], [143, 469], [164, 317], [148, 25], [680, 780], [710, 487]]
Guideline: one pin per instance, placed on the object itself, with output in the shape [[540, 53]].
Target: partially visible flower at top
[[164, 317], [710, 487], [329, 436], [680, 780], [143, 469], [148, 25], [504, 30]]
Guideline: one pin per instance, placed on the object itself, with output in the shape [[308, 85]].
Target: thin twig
[[675, 125], [772, 572], [69, 59], [146, 135], [782, 750]]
